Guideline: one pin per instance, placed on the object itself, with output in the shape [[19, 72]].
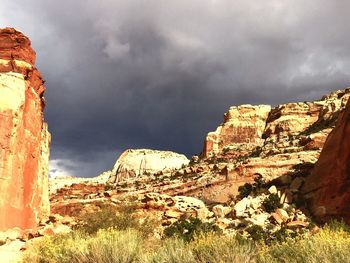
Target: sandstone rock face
[[327, 189], [257, 140], [243, 127], [247, 127], [134, 163], [24, 137]]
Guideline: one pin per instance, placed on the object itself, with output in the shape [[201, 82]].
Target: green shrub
[[225, 150], [283, 234], [109, 186], [252, 189], [330, 244], [257, 233], [259, 182], [119, 218], [271, 203], [187, 227], [245, 190], [124, 185], [269, 235], [256, 152]]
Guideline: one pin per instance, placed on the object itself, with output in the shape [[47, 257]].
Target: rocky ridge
[[226, 187], [283, 148]]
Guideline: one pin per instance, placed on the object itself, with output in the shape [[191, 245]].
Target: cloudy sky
[[160, 74]]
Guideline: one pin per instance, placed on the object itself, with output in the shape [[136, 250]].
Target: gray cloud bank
[[160, 74]]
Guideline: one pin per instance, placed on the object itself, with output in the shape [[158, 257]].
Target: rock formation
[[133, 163], [268, 152], [242, 128], [327, 189], [282, 142], [24, 138], [246, 127]]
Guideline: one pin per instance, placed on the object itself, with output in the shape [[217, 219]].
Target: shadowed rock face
[[24, 138], [327, 189]]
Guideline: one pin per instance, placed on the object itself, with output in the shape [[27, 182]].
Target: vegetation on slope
[[134, 241]]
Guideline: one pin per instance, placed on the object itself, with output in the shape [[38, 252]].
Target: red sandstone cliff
[[327, 189], [24, 138]]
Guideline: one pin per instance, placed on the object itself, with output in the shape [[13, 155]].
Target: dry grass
[[330, 245], [127, 242]]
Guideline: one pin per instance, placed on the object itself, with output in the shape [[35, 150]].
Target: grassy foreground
[[129, 240]]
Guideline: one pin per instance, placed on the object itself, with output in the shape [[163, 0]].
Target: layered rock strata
[[138, 162], [248, 127], [280, 144], [327, 189], [24, 137], [285, 141], [242, 129]]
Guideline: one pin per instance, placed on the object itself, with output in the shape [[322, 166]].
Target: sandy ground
[[10, 253]]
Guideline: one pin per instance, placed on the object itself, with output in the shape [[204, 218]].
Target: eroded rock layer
[[256, 140], [242, 129], [137, 162], [280, 144], [24, 137], [327, 189]]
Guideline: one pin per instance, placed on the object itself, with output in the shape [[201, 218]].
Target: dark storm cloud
[[160, 74]]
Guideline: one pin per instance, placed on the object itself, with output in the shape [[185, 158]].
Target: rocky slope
[[250, 179], [24, 138], [259, 152], [281, 144], [327, 189]]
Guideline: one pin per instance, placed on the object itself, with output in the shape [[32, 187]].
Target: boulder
[[260, 219], [282, 214], [173, 213], [221, 211], [297, 224], [241, 206], [193, 206], [277, 217], [273, 189]]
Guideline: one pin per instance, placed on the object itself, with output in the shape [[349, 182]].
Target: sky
[[160, 74]]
